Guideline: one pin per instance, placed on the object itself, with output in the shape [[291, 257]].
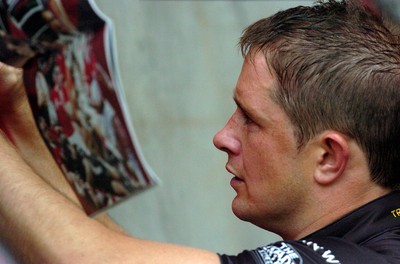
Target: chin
[[241, 209]]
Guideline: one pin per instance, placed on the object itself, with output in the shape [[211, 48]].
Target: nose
[[226, 140]]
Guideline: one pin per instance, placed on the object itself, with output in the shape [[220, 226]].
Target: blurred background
[[179, 62]]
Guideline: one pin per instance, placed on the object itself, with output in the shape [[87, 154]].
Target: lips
[[230, 170], [235, 181]]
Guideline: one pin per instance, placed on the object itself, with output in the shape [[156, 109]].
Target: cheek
[[268, 163], [261, 170], [259, 153]]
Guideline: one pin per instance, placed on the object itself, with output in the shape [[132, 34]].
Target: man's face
[[269, 171]]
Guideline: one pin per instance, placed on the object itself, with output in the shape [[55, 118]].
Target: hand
[[16, 119], [14, 106], [17, 122]]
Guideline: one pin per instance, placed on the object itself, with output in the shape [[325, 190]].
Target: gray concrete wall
[[179, 62]]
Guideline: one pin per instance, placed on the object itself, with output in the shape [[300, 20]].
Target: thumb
[[9, 76], [12, 91]]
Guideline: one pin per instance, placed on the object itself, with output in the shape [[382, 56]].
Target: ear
[[333, 158]]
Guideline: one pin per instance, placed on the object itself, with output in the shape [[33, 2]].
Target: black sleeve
[[315, 251], [248, 257]]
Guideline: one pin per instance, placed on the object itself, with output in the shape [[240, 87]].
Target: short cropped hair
[[338, 68]]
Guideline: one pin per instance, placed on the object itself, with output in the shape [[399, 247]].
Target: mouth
[[230, 170], [235, 181]]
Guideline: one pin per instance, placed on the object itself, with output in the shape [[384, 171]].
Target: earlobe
[[333, 159]]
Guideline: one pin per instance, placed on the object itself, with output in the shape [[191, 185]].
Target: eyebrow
[[237, 101], [240, 106]]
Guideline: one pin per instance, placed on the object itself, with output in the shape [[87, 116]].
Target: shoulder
[[315, 250]]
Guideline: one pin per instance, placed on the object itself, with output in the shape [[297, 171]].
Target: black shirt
[[368, 235]]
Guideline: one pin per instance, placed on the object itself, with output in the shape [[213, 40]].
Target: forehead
[[256, 82], [254, 92]]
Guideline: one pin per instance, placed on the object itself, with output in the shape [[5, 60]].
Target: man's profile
[[313, 147]]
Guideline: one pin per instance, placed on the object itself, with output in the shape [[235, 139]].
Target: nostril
[[224, 149]]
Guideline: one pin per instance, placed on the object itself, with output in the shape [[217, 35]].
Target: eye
[[247, 119]]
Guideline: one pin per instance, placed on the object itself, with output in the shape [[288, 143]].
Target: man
[[313, 146]]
